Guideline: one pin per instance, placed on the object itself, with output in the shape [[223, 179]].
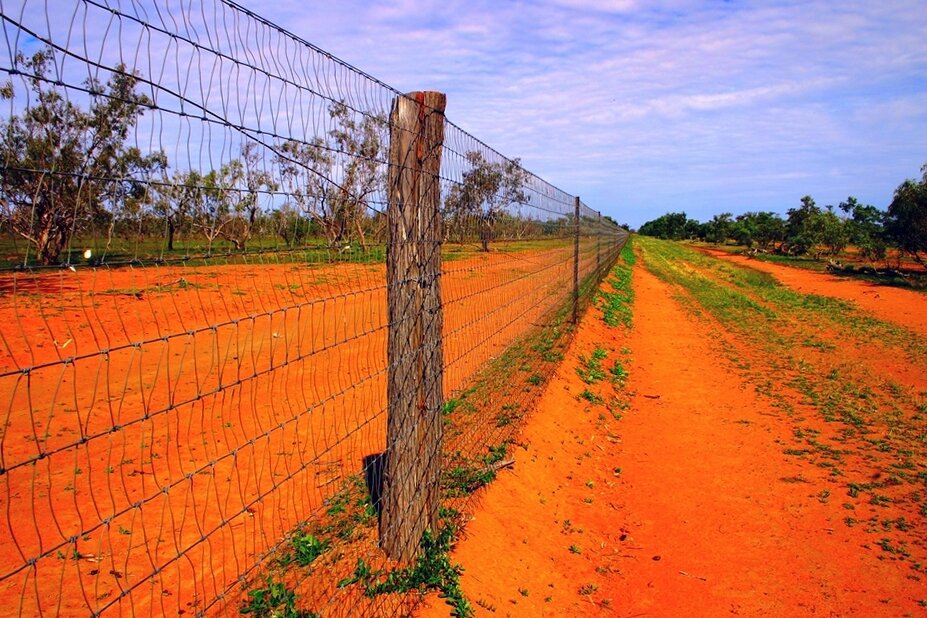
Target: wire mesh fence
[[200, 326]]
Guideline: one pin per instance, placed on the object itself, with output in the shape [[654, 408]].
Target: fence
[[230, 264]]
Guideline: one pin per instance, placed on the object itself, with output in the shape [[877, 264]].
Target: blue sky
[[643, 107]]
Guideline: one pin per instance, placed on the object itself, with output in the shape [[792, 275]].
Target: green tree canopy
[[333, 180], [64, 166], [718, 230], [486, 190], [804, 230], [671, 226], [864, 228], [906, 219]]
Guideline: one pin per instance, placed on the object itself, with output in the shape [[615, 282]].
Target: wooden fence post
[[576, 261], [415, 360], [598, 245]]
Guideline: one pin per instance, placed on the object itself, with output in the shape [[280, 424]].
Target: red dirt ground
[[145, 478], [679, 508]]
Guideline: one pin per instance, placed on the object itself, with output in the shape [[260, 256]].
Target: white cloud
[[721, 104], [669, 104]]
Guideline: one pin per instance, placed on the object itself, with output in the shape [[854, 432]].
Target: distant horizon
[[643, 108], [783, 213]]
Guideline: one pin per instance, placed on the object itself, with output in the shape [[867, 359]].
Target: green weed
[[307, 548], [616, 305], [433, 570], [275, 600], [588, 589], [590, 371], [619, 373], [465, 477]]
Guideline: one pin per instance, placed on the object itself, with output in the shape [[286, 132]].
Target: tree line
[[66, 171], [814, 231]]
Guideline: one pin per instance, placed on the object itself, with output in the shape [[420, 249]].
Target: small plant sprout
[[588, 589]]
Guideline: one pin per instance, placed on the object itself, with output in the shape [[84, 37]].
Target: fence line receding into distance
[[228, 262]]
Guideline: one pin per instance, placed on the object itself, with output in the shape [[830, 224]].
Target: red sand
[[152, 476], [678, 509]]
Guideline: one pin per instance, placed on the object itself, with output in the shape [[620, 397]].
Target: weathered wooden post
[[598, 246], [415, 363], [576, 261]]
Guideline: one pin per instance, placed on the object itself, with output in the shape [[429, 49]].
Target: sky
[[646, 107]]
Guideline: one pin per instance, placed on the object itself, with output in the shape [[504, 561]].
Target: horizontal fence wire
[[193, 299]]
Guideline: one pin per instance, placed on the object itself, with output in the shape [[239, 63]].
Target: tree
[[209, 208], [671, 226], [864, 228], [694, 230], [833, 231], [760, 228], [289, 225], [743, 230], [906, 219], [244, 183], [718, 229], [518, 228], [804, 227], [770, 229], [306, 168], [485, 193], [333, 180], [129, 196], [175, 202], [360, 149], [62, 165]]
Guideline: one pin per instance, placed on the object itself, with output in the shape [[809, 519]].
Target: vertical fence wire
[[193, 299]]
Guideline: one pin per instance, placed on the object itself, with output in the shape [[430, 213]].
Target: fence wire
[[193, 351]]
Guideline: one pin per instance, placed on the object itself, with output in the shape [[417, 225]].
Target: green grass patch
[[616, 304], [433, 570], [274, 600], [462, 477], [590, 370], [619, 373], [591, 397]]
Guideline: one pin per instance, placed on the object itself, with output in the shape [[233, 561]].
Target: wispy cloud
[[678, 104]]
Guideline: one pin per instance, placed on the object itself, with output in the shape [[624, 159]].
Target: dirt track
[[690, 505]]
